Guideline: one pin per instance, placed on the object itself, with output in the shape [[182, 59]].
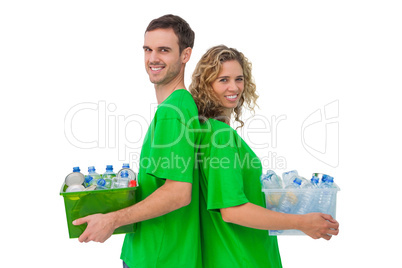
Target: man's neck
[[164, 91]]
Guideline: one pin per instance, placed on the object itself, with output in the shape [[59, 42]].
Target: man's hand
[[319, 225], [100, 227]]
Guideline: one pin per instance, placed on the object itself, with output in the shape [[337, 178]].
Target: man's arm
[[169, 197], [315, 225]]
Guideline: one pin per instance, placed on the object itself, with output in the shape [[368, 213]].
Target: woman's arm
[[315, 225]]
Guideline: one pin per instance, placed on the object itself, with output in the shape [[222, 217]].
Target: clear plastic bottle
[[288, 202], [318, 175], [132, 178], [106, 181], [109, 174], [122, 181], [289, 176], [270, 180], [324, 179], [326, 195], [290, 199], [92, 177], [308, 198], [315, 181], [74, 178], [89, 181]]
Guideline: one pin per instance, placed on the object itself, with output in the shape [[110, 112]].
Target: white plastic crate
[[273, 197]]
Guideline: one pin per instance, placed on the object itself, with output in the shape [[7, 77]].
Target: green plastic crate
[[81, 204]]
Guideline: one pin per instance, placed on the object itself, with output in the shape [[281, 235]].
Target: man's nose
[[153, 57]]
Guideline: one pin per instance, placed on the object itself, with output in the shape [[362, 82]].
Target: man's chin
[[154, 80]]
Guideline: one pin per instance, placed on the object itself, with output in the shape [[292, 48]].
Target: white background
[[305, 54]]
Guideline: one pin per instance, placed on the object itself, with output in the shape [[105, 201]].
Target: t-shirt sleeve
[[225, 178], [172, 151]]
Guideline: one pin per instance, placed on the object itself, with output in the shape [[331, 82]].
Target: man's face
[[162, 57]]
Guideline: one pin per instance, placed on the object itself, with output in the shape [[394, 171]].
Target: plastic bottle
[[325, 198], [324, 177], [92, 177], [89, 181], [288, 177], [318, 175], [314, 181], [74, 178], [308, 197], [270, 180], [109, 174], [132, 178], [106, 181], [122, 181], [288, 201]]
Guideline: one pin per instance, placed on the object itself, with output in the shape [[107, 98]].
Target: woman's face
[[229, 85]]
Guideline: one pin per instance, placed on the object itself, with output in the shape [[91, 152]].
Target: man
[[167, 213]]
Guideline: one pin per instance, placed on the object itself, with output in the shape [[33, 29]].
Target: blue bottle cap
[[101, 182], [88, 179], [109, 167], [297, 181], [76, 169], [314, 180], [126, 165], [327, 178], [124, 174], [91, 168]]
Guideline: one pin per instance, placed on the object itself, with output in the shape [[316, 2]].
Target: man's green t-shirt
[[230, 173], [168, 152]]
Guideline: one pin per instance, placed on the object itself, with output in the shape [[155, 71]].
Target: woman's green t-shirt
[[230, 173]]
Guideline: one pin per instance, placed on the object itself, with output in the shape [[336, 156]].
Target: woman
[[234, 219]]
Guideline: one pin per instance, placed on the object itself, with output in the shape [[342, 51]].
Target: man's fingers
[[80, 221], [83, 237]]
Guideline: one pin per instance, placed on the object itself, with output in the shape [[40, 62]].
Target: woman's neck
[[227, 113]]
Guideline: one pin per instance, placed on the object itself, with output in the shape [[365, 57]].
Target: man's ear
[[186, 54]]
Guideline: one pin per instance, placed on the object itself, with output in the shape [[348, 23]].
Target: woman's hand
[[319, 225]]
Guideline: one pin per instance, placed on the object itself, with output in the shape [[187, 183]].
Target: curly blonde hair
[[207, 71]]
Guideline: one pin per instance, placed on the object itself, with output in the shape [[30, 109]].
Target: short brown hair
[[180, 27]]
